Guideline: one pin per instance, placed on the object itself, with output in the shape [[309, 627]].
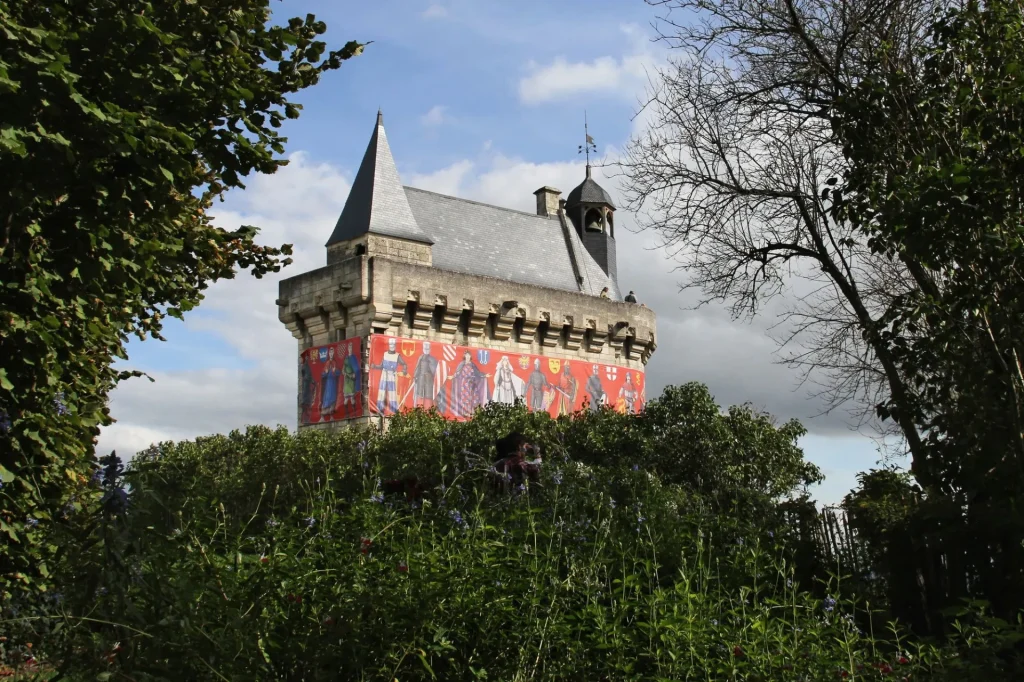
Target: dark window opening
[[464, 319], [593, 221], [360, 249]]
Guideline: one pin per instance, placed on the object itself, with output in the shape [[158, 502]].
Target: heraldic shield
[[408, 348], [554, 364], [483, 356]]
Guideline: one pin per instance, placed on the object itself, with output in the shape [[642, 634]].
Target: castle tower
[[438, 302]]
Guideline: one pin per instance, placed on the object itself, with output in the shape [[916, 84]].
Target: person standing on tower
[[630, 297]]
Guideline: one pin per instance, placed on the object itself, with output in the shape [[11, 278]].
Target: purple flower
[[59, 404], [377, 497], [557, 478], [456, 517], [5, 422], [31, 522], [310, 521], [829, 604], [636, 467]]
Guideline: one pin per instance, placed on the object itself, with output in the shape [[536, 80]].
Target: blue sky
[[482, 99]]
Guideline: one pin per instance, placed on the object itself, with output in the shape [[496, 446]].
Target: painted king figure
[[387, 389]]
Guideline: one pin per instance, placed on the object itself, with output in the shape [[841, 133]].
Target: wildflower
[[361, 445], [446, 432], [739, 541], [636, 467], [522, 488], [273, 523], [5, 422], [829, 604], [903, 660], [60, 405], [714, 621], [771, 534], [843, 674], [403, 567], [612, 503], [329, 620], [264, 559], [310, 521], [456, 517], [377, 497], [31, 522], [557, 478], [884, 668], [737, 651]]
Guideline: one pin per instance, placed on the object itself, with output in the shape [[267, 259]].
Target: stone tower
[[439, 302]]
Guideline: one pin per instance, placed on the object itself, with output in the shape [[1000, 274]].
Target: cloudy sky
[[482, 99]]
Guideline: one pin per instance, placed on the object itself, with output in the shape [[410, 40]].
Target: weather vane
[[590, 146]]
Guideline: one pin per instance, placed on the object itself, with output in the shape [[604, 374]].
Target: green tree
[[121, 122], [935, 182]]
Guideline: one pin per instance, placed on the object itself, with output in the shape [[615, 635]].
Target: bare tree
[[735, 171]]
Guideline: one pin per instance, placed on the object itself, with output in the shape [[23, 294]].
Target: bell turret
[[593, 215]]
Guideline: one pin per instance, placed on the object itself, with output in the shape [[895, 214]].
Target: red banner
[[456, 380], [331, 382]]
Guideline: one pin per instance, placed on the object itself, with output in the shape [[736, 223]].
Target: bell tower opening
[[594, 221]]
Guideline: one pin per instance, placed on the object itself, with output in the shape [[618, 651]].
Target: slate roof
[[480, 239], [376, 202], [468, 236], [588, 192]]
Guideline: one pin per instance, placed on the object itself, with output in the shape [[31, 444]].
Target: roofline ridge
[[479, 203]]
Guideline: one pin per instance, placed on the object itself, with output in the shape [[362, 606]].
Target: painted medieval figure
[[387, 389], [628, 394], [351, 381], [307, 388], [329, 378], [469, 388], [567, 387], [423, 379], [595, 389], [507, 386], [535, 387]]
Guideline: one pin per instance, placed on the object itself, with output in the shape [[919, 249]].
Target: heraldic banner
[[331, 382], [407, 373]]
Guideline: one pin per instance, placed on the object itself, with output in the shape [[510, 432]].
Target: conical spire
[[377, 203]]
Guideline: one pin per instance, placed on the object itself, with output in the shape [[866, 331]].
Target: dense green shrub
[[264, 555]]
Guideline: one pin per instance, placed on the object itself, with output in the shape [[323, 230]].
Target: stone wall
[[399, 294]]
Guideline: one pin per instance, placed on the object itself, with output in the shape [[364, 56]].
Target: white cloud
[[434, 11], [563, 79], [435, 117]]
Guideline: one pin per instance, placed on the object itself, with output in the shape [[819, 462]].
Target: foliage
[[935, 182], [123, 121], [263, 555]]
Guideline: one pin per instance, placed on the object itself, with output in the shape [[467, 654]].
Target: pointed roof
[[588, 192], [377, 202]]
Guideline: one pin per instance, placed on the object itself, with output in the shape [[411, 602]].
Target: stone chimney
[[548, 201]]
